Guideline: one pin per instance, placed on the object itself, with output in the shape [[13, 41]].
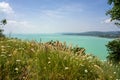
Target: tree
[[114, 46], [115, 11], [2, 23], [114, 51]]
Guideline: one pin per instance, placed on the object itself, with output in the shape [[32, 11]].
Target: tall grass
[[30, 60]]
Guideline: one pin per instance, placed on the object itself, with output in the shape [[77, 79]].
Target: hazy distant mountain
[[110, 34]]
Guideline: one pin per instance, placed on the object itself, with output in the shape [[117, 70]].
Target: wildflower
[[16, 69], [23, 77], [49, 58], [2, 55], [90, 57], [66, 68], [81, 65], [49, 62], [2, 46], [98, 67], [114, 72], [21, 48], [32, 50], [3, 52], [116, 66], [3, 49], [111, 64], [9, 55], [86, 71], [18, 60]]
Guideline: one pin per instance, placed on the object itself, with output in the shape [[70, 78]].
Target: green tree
[[2, 23], [114, 46], [114, 51], [114, 12]]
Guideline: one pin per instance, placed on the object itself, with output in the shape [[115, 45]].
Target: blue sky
[[55, 16]]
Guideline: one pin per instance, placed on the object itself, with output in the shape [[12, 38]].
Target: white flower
[[18, 60], [66, 68], [2, 55], [114, 72], [2, 46], [16, 69], [9, 55], [90, 57], [49, 62], [86, 71], [23, 77]]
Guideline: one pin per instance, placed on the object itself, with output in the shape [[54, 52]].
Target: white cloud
[[14, 26], [6, 8], [14, 22], [62, 11], [107, 21], [71, 8]]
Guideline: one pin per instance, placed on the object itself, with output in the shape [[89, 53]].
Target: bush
[[114, 51]]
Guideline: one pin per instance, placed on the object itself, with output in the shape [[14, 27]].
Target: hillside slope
[[30, 60]]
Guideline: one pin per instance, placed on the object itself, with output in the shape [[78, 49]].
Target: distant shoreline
[[110, 34]]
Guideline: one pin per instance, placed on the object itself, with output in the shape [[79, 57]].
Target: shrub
[[114, 51]]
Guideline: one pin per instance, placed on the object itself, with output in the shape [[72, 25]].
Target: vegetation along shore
[[30, 60]]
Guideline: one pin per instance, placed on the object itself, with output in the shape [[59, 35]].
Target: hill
[[110, 34], [30, 60]]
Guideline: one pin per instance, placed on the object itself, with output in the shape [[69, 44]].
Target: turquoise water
[[93, 45]]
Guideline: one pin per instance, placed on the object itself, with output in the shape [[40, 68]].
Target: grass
[[30, 60]]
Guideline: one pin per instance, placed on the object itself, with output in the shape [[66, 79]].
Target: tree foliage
[[115, 11], [2, 23], [114, 51]]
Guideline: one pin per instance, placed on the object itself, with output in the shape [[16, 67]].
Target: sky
[[55, 16]]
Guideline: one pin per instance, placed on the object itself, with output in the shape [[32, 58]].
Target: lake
[[93, 45]]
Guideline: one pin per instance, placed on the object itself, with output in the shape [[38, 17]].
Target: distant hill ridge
[[110, 34]]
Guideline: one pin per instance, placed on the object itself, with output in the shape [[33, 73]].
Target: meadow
[[53, 60]]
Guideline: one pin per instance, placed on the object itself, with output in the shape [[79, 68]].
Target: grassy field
[[30, 60]]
